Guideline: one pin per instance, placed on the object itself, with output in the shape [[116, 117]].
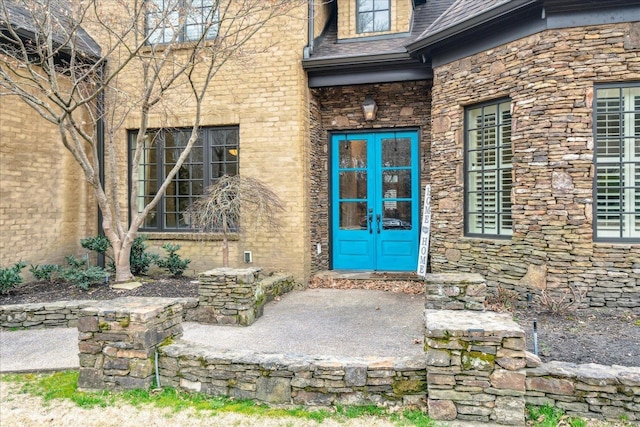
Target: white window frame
[[616, 132], [488, 170]]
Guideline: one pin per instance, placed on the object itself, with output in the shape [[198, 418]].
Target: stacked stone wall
[[339, 108], [291, 379], [549, 78], [590, 390]]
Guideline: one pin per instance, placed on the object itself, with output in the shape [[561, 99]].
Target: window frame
[[373, 11], [624, 161], [183, 32], [207, 138], [499, 212]]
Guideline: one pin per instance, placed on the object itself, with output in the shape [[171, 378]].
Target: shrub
[[10, 277], [173, 262], [44, 271], [563, 302], [503, 299], [139, 259], [80, 275]]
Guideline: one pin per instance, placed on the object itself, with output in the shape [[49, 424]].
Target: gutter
[[468, 24], [308, 50], [354, 61]]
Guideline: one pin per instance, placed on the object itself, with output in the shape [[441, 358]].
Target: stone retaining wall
[[59, 314], [455, 291], [590, 390], [293, 379]]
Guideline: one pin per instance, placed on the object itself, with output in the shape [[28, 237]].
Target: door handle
[[378, 222], [370, 223]]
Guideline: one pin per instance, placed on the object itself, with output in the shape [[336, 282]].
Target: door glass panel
[[353, 215], [353, 185], [396, 152], [396, 184], [353, 154], [397, 215]]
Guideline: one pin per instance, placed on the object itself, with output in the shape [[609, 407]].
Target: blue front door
[[375, 201]]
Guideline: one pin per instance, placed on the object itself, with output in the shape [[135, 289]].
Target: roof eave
[[473, 22], [355, 61]]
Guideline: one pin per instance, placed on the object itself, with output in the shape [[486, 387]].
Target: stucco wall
[[550, 79], [400, 105]]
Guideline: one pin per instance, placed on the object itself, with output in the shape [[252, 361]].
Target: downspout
[[100, 144], [308, 50]]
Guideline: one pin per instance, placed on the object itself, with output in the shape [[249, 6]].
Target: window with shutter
[[488, 169]]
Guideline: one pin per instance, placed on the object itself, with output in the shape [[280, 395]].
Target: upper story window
[[181, 20], [488, 170], [213, 155], [373, 16], [617, 162]]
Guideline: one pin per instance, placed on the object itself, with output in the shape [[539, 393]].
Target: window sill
[[190, 236]]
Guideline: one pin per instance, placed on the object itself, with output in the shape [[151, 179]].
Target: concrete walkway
[[329, 322]]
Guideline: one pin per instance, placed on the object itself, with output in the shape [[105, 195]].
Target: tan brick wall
[[264, 93], [549, 78], [401, 13], [45, 205]]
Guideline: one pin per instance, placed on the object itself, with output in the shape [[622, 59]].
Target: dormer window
[[373, 16], [181, 20]]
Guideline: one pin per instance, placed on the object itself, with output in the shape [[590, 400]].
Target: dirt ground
[[608, 337]]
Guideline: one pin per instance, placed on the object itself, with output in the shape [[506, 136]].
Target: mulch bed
[[609, 337]]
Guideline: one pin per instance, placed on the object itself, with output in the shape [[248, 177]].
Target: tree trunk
[[123, 262]]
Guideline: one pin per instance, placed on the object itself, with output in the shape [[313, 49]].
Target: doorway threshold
[[368, 275]]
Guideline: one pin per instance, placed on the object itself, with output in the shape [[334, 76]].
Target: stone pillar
[[118, 339], [455, 291], [475, 367], [230, 296]]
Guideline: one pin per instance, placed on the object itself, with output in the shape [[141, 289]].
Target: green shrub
[[173, 262], [77, 273], [10, 277], [44, 272], [139, 259]]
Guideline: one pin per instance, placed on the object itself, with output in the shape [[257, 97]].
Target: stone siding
[[591, 390], [292, 379], [400, 105], [550, 79]]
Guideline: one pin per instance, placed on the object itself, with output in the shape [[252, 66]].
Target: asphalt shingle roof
[[423, 16], [460, 11], [23, 19]]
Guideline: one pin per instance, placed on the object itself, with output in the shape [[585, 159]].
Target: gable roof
[[22, 20], [463, 15]]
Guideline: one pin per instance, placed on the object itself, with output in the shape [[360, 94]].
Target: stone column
[[475, 366], [118, 339], [455, 291], [229, 296]]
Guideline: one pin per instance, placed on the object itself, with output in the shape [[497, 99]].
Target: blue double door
[[375, 201]]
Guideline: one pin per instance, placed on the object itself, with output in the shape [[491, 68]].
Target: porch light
[[369, 108]]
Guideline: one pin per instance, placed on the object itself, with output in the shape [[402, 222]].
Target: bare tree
[[86, 64], [219, 210]]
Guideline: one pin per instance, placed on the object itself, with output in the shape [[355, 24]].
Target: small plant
[[566, 302], [503, 299], [173, 262], [549, 416], [44, 272], [10, 277], [78, 273]]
